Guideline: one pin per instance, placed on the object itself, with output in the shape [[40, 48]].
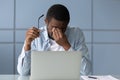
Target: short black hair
[[59, 12]]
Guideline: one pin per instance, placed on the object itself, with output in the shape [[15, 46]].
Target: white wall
[[6, 36], [106, 36], [99, 20]]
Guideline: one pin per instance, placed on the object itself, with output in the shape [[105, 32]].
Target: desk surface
[[17, 77]]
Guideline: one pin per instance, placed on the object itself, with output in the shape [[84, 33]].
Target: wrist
[[67, 47], [27, 47]]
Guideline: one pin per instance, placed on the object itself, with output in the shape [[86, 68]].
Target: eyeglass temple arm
[[39, 19]]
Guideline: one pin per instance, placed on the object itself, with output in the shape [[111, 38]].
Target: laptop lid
[[55, 64]]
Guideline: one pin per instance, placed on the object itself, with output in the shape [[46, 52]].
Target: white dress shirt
[[55, 47], [43, 43]]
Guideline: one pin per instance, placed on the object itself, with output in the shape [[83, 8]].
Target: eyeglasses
[[39, 20]]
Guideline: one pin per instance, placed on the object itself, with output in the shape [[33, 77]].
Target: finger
[[53, 35], [52, 32], [56, 34], [30, 37], [53, 29], [59, 33], [33, 32], [35, 29]]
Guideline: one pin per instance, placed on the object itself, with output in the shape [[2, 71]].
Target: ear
[[46, 21]]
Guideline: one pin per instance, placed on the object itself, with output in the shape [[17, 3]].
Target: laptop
[[55, 65]]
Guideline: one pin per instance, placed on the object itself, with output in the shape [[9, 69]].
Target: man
[[55, 36]]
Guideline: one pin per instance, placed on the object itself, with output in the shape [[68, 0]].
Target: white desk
[[17, 77], [13, 77]]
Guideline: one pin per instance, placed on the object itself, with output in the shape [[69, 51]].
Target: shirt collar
[[44, 33]]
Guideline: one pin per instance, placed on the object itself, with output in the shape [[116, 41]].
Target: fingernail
[[53, 29]]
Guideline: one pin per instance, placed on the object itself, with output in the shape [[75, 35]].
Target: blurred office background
[[99, 20]]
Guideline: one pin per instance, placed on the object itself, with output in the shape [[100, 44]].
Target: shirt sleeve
[[24, 63], [79, 45]]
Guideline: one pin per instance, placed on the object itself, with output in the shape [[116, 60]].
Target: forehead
[[56, 23]]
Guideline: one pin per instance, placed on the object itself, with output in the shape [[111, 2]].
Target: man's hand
[[31, 34], [60, 38]]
